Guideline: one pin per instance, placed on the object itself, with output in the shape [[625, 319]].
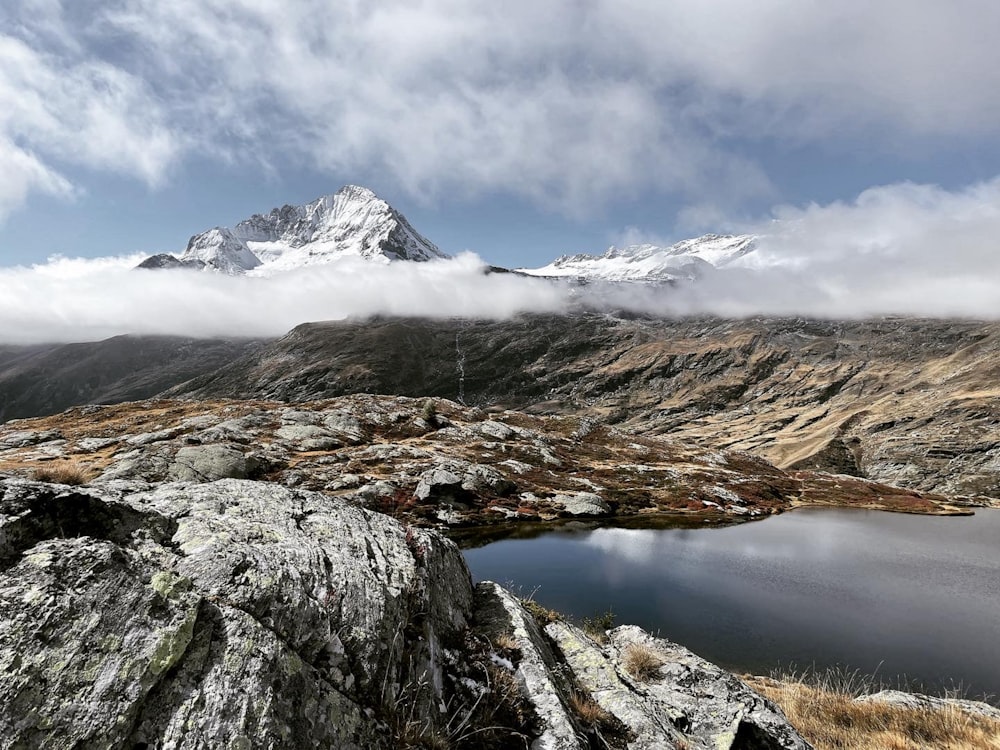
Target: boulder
[[484, 480], [921, 702], [23, 438], [304, 437], [229, 614], [441, 482], [686, 699], [206, 463], [542, 683], [582, 504]]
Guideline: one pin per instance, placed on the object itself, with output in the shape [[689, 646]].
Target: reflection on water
[[910, 596]]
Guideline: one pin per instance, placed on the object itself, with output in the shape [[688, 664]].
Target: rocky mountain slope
[[351, 222], [687, 259], [903, 401], [431, 463], [40, 380]]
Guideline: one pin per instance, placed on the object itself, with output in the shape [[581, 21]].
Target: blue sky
[[520, 131]]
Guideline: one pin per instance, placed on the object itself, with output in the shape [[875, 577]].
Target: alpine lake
[[913, 600]]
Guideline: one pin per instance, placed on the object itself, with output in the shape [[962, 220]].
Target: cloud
[[900, 249], [75, 299], [570, 104], [63, 110], [23, 173]]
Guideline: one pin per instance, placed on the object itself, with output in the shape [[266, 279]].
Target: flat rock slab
[[688, 702]]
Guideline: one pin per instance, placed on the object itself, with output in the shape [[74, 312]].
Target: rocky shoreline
[[238, 613]]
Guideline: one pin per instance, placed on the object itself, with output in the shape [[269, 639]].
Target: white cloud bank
[[564, 102], [896, 250], [899, 249], [68, 300]]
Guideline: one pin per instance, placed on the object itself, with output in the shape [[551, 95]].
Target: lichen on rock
[[238, 613]]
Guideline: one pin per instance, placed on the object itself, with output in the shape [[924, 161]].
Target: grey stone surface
[[924, 702], [583, 504], [485, 479], [498, 612], [230, 614], [308, 437], [206, 463], [652, 723], [691, 700], [22, 438], [440, 482]]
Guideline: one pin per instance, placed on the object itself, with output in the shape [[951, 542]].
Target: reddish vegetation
[[540, 459], [844, 491]]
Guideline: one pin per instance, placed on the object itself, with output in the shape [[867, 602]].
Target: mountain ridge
[[902, 401], [685, 260]]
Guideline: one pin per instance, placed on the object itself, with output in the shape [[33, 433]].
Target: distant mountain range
[[355, 222], [687, 259]]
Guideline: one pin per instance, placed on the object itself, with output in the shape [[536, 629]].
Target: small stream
[[915, 599]]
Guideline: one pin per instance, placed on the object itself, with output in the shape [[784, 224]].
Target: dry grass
[[495, 720], [61, 474], [823, 709], [588, 710], [642, 662], [543, 615], [506, 642]]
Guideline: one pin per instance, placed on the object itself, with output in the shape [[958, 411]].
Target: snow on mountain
[[352, 222], [221, 249], [687, 259]]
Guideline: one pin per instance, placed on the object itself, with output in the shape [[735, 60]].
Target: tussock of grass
[[822, 707], [642, 662], [61, 474], [588, 710], [543, 616], [597, 627], [506, 642]]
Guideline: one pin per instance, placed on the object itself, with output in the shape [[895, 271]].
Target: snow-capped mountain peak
[[354, 221], [687, 259], [221, 249]]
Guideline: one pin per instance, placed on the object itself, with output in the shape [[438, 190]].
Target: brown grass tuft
[[543, 616], [642, 662], [588, 710], [823, 709], [506, 642], [61, 474]]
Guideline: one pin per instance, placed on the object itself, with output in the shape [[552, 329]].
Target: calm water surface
[[909, 596]]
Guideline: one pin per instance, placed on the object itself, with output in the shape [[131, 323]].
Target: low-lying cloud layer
[[896, 250], [81, 300]]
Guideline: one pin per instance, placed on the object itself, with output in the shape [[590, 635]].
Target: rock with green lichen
[[228, 614], [684, 701]]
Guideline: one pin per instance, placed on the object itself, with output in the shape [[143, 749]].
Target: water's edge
[[914, 599]]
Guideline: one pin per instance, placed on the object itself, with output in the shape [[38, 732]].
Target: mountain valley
[[266, 527], [909, 402]]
